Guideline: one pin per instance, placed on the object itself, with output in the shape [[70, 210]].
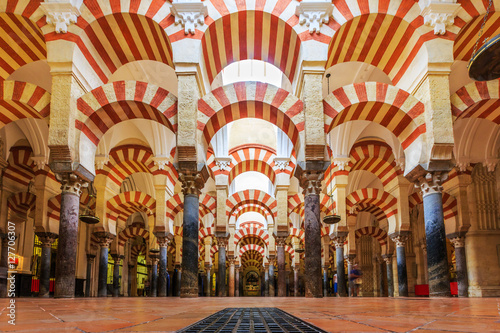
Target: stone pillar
[[350, 261], [192, 183], [163, 239], [105, 238], [310, 181], [435, 234], [390, 279], [325, 281], [221, 282], [296, 270], [178, 277], [208, 288], [90, 262], [131, 278], [68, 234], [400, 240], [116, 274], [381, 276], [458, 242], [237, 281], [272, 290], [339, 241], [265, 280], [280, 251], [154, 276], [231, 283], [47, 238]]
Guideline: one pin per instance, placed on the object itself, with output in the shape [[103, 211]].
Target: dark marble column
[[435, 234], [192, 183], [154, 276], [221, 282], [272, 285], [46, 238], [400, 240], [381, 271], [116, 274], [461, 264], [350, 262], [68, 234], [325, 281], [90, 262], [296, 270], [390, 279], [231, 284], [163, 240], [105, 238], [310, 181], [178, 277], [208, 285], [130, 278], [4, 259], [266, 280], [237, 281], [280, 251], [339, 241]]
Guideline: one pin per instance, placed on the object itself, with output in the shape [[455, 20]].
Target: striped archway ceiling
[[385, 41], [252, 239], [250, 35], [252, 165], [467, 37], [488, 109], [252, 256], [115, 40], [21, 42]]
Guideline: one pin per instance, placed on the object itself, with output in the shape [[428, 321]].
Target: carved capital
[[101, 161], [491, 163], [431, 183], [439, 14], [458, 241], [280, 240], [189, 14], [71, 183], [231, 261], [90, 258], [400, 238], [192, 182], [341, 162], [163, 241], [314, 14], [40, 161], [272, 261], [47, 238], [222, 241], [281, 162], [61, 13], [161, 161], [350, 258], [339, 241], [387, 258], [310, 181], [223, 163], [208, 266], [104, 238]]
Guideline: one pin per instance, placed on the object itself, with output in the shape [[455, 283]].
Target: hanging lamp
[[484, 64], [88, 215], [333, 218], [300, 249]]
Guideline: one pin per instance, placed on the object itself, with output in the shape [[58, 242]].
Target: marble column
[[272, 285], [208, 288], [237, 281], [435, 234], [116, 274], [221, 282], [47, 239], [310, 181], [178, 277], [231, 283], [325, 281], [296, 270], [154, 276], [339, 241], [400, 240], [458, 242], [90, 262], [4, 265], [192, 183], [163, 239], [266, 280], [390, 279], [381, 276], [280, 251], [350, 261], [105, 239], [131, 277], [68, 234]]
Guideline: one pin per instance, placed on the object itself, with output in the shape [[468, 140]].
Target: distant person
[[335, 284], [354, 275]]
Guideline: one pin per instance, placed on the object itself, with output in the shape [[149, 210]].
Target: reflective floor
[[331, 314]]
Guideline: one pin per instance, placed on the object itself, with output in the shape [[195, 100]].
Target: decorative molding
[[101, 161], [310, 181], [281, 162], [314, 13], [341, 162], [462, 163], [161, 161], [61, 13], [431, 183], [40, 161], [189, 14], [223, 162], [439, 14], [491, 163]]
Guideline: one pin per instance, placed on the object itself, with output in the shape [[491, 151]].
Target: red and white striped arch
[[21, 202], [289, 250], [137, 250], [108, 105], [130, 232], [250, 34], [298, 233], [296, 204], [251, 197], [379, 234], [367, 197], [19, 100], [251, 231], [450, 204], [175, 204], [251, 224], [250, 100], [257, 208], [20, 168], [250, 247], [252, 258], [252, 239], [123, 205], [415, 199], [389, 106], [205, 232], [477, 100]]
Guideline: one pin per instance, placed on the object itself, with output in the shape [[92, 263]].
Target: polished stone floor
[[331, 314]]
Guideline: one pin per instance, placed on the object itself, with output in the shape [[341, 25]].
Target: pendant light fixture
[[88, 215]]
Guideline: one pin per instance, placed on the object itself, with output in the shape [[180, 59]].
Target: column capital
[[192, 182], [272, 260], [339, 239], [163, 241], [47, 238], [387, 258], [91, 257], [117, 257], [104, 238], [457, 240], [222, 240], [400, 238], [350, 258], [61, 14], [310, 181], [432, 182], [280, 240], [208, 266], [231, 261], [71, 183]]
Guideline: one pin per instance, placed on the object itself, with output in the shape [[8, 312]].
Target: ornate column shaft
[[105, 239], [310, 181], [47, 239], [400, 240], [116, 274], [272, 289], [192, 183], [435, 234], [163, 240], [390, 280], [462, 278], [68, 234], [339, 241], [90, 262], [221, 282], [280, 249], [231, 283]]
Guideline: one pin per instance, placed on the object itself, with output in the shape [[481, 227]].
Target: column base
[[484, 291]]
